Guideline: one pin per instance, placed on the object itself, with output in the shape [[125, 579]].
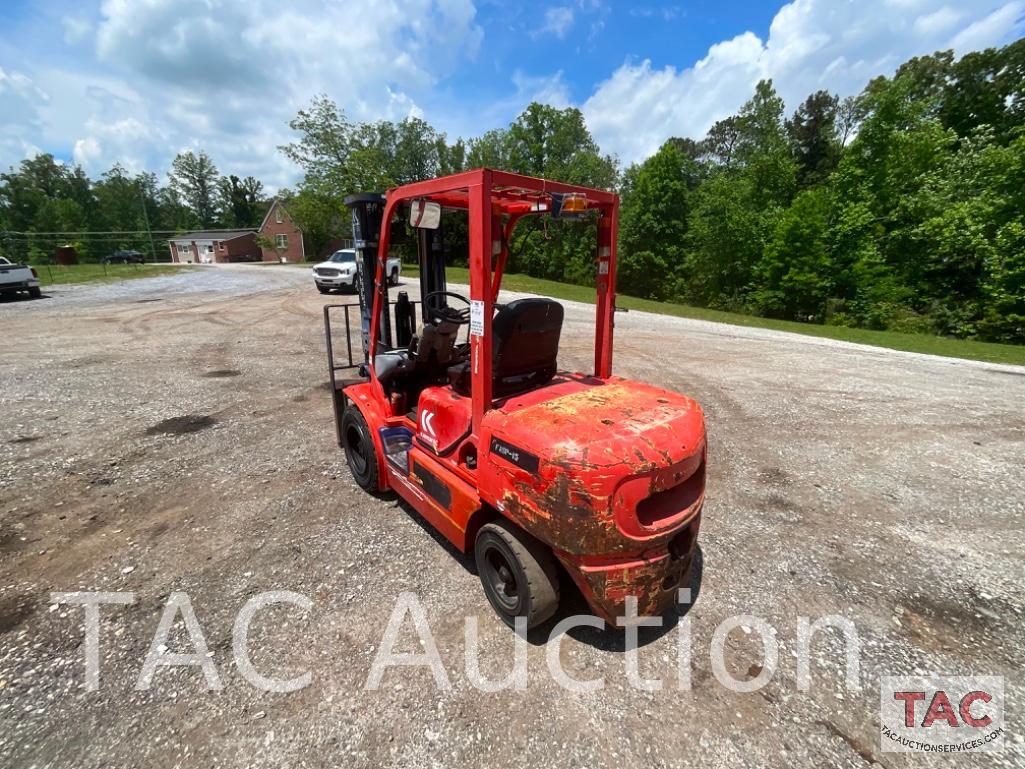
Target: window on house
[[279, 217], [183, 248], [281, 241], [208, 249], [220, 245]]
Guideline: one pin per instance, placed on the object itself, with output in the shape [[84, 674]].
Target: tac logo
[[941, 714]]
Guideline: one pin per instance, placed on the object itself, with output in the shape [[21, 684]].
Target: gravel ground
[[174, 434]]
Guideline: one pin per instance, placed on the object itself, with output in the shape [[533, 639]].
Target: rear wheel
[[518, 573], [360, 453], [35, 292]]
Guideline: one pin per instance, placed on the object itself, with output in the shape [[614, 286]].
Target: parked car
[[15, 278], [124, 257], [339, 271]]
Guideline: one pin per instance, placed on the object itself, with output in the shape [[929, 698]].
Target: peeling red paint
[[605, 446]]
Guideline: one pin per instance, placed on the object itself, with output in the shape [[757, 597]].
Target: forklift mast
[[431, 256], [367, 211]]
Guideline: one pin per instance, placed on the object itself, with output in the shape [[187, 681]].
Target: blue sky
[[136, 81]]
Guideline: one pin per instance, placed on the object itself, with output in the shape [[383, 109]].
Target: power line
[[96, 239], [141, 233]]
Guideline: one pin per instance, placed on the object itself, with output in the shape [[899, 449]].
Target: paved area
[[174, 434]]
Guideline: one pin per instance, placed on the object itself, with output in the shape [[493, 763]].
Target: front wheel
[[323, 289], [393, 279], [518, 573], [360, 453]]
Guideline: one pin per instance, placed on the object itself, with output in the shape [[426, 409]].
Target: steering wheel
[[436, 309]]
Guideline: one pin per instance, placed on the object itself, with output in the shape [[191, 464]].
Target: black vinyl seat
[[524, 347]]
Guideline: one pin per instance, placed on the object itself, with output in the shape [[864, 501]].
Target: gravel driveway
[[174, 434]]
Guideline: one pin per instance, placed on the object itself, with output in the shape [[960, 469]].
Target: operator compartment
[[596, 466]]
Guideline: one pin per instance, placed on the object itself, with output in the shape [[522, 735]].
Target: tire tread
[[538, 565]]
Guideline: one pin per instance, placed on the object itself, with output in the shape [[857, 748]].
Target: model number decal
[[517, 456], [476, 317]]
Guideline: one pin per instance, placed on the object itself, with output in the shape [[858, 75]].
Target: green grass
[[54, 275], [923, 343]]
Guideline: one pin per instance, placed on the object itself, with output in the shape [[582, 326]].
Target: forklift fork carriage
[[540, 472]]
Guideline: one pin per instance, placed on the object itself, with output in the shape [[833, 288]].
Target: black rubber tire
[[532, 573], [393, 277], [35, 292], [360, 453], [323, 289]]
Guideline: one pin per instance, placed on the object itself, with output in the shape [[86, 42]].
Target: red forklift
[[541, 472]]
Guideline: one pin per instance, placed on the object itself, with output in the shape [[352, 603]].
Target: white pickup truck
[[18, 277], [339, 271]]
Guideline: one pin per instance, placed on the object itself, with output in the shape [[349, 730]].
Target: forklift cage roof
[[496, 201]]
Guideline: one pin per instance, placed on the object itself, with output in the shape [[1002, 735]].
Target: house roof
[[213, 235], [274, 203]]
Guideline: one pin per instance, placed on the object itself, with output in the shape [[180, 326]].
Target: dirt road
[[174, 434]]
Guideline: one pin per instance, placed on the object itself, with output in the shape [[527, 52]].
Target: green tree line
[[44, 196], [901, 208]]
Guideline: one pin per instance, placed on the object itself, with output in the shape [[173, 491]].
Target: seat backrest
[[525, 344]]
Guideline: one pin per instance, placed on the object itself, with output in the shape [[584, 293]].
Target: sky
[[137, 81]]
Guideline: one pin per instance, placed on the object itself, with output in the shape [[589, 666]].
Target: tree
[[795, 275], [451, 158], [321, 217], [194, 179], [555, 144], [849, 114], [240, 200], [763, 150], [986, 88], [489, 150], [688, 147], [416, 155], [653, 223], [813, 138], [721, 142], [1004, 317], [726, 237], [127, 203], [324, 146]]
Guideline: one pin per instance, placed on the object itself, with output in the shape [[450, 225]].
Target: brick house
[[279, 228], [211, 246]]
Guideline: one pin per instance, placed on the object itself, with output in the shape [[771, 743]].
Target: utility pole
[[149, 232]]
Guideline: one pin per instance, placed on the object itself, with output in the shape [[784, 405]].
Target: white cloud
[[558, 20], [75, 29], [227, 76], [87, 151], [546, 90], [21, 102], [1003, 23], [138, 80], [838, 45]]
